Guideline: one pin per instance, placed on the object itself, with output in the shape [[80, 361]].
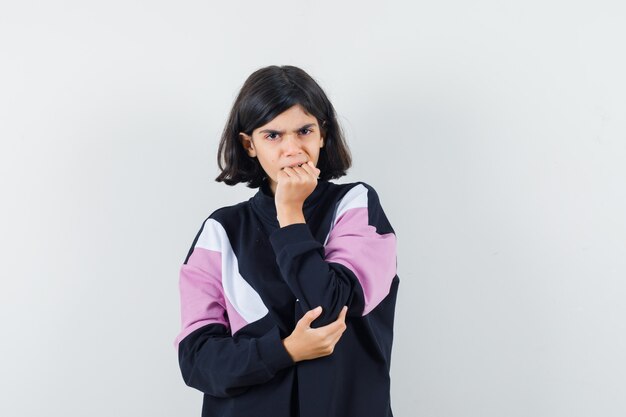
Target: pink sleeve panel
[[357, 245], [201, 296]]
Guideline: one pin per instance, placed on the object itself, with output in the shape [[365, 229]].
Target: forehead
[[293, 117]]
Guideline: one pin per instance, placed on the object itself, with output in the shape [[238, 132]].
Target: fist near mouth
[[294, 185]]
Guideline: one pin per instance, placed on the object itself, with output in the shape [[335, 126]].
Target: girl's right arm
[[210, 358]]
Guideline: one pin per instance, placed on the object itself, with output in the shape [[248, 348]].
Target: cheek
[[270, 164]]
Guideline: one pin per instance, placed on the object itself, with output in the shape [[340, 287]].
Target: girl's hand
[[294, 185], [306, 343]]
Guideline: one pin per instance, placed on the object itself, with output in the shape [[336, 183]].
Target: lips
[[295, 164]]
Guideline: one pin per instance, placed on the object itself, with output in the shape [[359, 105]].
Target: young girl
[[288, 298]]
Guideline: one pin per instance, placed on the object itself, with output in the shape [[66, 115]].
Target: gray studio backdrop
[[494, 132]]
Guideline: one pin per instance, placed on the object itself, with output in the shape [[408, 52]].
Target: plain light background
[[493, 131]]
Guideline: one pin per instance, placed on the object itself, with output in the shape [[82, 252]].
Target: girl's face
[[291, 138]]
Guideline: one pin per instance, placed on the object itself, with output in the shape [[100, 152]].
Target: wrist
[[289, 348], [289, 215]]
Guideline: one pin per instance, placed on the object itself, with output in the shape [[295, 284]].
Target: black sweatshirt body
[[246, 282]]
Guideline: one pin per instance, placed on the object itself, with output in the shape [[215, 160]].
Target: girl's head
[[281, 117]]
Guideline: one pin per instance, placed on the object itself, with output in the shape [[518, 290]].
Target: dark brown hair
[[266, 93]]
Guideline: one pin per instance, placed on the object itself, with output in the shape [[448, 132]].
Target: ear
[[321, 142], [246, 142]]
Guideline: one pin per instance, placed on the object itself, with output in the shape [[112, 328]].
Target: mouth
[[299, 164]]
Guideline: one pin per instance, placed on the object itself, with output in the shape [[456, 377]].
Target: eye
[[307, 130], [271, 135]]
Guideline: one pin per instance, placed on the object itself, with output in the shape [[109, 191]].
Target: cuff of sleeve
[[294, 233], [273, 352]]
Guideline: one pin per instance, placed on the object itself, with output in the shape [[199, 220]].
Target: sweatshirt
[[246, 282]]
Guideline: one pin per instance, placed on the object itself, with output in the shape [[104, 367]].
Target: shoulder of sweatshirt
[[364, 195], [342, 189], [350, 185], [231, 210]]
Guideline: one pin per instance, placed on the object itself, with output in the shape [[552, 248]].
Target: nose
[[292, 145]]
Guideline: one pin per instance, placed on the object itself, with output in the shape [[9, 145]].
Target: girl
[[288, 298]]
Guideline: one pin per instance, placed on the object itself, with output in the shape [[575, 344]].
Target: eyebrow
[[306, 126]]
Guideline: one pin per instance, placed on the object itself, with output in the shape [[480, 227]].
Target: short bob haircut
[[266, 93]]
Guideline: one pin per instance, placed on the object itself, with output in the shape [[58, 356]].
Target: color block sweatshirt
[[246, 282]]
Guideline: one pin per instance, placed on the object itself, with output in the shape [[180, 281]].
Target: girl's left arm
[[355, 267]]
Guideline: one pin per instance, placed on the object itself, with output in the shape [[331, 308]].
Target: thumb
[[310, 315]]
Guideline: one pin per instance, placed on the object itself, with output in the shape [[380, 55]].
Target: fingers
[[311, 169], [338, 326], [308, 343], [306, 169], [341, 319], [343, 313], [310, 315], [336, 337]]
